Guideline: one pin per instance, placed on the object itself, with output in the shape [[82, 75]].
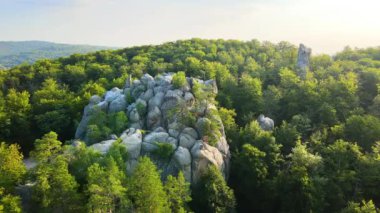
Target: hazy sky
[[324, 25]]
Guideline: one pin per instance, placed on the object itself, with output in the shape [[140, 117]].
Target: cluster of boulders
[[153, 106]]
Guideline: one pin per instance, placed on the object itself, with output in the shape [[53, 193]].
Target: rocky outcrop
[[265, 123], [159, 117], [303, 60]]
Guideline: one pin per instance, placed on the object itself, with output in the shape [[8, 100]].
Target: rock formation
[[160, 115], [265, 123], [303, 61]]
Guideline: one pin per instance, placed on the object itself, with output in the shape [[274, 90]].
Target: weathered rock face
[[265, 123], [158, 112], [303, 60]]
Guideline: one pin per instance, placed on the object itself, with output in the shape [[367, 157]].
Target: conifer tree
[[147, 191]]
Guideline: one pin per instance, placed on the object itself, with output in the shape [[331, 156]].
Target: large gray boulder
[[152, 139], [118, 104], [147, 95], [265, 123], [112, 94], [154, 118], [189, 98], [186, 140], [190, 131], [134, 115], [132, 139], [146, 79], [182, 157], [174, 129], [303, 60], [204, 155], [137, 89], [156, 101]]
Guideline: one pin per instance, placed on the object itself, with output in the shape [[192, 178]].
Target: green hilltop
[[13, 53]]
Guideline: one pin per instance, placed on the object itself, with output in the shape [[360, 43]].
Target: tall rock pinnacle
[[303, 60]]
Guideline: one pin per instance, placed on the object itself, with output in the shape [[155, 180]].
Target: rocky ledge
[[170, 124]]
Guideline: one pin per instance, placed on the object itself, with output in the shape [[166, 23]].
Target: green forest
[[13, 53], [323, 154]]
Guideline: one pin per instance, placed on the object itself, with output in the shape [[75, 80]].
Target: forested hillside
[[13, 53], [323, 154]]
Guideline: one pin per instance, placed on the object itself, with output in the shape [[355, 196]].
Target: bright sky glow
[[324, 25]]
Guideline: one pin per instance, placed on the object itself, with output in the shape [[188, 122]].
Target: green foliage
[[74, 75], [15, 53], [14, 115], [9, 203], [46, 148], [12, 168], [264, 141], [363, 207], [148, 193], [118, 122], [95, 134], [179, 80], [365, 130], [228, 118], [141, 109], [250, 171], [53, 105], [90, 89], [341, 160], [101, 125], [338, 100], [287, 135], [163, 150], [213, 194], [81, 158], [182, 113], [302, 124], [95, 71], [55, 188], [119, 154], [210, 131], [106, 188], [249, 92], [178, 192], [231, 128]]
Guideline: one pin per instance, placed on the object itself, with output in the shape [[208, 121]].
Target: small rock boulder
[[103, 146], [132, 139]]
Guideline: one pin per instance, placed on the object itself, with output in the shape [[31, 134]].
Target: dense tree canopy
[[322, 156]]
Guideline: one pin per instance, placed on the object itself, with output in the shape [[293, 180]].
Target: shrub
[[129, 98], [179, 80], [101, 125], [118, 122], [141, 109], [94, 134], [164, 150]]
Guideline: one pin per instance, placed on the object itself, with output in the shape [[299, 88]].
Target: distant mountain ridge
[[13, 53]]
